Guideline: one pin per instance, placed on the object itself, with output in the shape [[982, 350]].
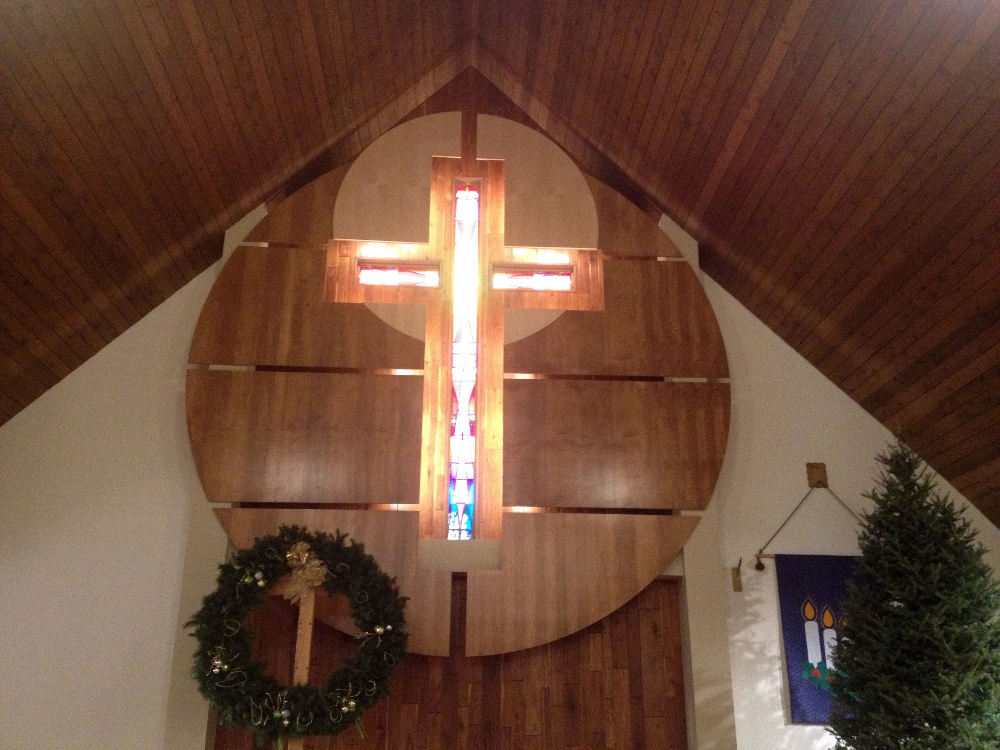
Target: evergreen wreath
[[242, 690]]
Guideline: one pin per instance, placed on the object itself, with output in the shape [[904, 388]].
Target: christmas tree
[[918, 661]]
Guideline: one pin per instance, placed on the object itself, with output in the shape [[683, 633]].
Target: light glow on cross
[[462, 460], [540, 280], [551, 256], [397, 274], [387, 250]]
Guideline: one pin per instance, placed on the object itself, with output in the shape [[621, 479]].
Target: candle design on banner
[[820, 645], [829, 637], [814, 654]]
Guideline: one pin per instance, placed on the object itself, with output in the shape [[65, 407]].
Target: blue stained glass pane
[[461, 502]]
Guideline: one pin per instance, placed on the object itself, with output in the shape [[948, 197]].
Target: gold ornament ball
[[379, 630]]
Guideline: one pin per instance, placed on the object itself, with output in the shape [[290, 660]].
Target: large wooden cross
[[465, 257], [464, 265]]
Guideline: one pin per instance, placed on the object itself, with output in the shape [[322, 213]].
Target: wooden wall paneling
[[90, 127], [231, 56], [919, 106], [437, 395], [273, 628], [122, 123], [567, 695], [244, 32], [38, 176], [167, 130], [624, 230], [588, 281], [762, 46], [43, 301], [435, 430], [656, 25], [490, 382], [546, 589], [941, 291], [34, 375], [312, 50], [804, 118], [654, 136], [958, 359], [267, 307], [390, 537], [716, 88], [37, 337], [223, 105], [280, 437], [53, 268], [342, 285], [306, 216], [656, 321], [613, 444], [276, 47], [692, 55], [619, 77], [152, 26]]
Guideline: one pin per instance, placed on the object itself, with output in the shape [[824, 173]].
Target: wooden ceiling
[[838, 162]]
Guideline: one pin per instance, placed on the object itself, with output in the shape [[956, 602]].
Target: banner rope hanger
[[813, 486]]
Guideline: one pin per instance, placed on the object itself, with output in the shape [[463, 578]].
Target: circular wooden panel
[[614, 427]]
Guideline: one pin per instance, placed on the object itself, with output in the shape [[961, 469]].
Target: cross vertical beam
[[486, 177]]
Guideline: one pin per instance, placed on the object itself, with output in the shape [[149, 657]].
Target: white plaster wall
[[785, 413], [99, 497]]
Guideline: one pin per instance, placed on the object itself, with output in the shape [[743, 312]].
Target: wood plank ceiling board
[[838, 163]]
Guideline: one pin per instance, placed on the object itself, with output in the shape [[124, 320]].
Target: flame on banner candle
[[814, 654]]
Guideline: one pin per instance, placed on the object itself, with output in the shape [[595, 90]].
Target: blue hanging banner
[[810, 591]]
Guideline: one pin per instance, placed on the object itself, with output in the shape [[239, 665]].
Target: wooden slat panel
[[588, 282], [550, 697], [600, 444], [657, 321], [267, 307], [306, 216], [546, 589], [435, 432], [278, 437], [625, 230], [489, 404], [390, 537], [342, 284]]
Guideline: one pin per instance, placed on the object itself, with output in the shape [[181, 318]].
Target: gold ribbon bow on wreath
[[308, 571]]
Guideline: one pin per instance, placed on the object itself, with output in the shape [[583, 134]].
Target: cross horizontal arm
[[400, 272], [553, 278]]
